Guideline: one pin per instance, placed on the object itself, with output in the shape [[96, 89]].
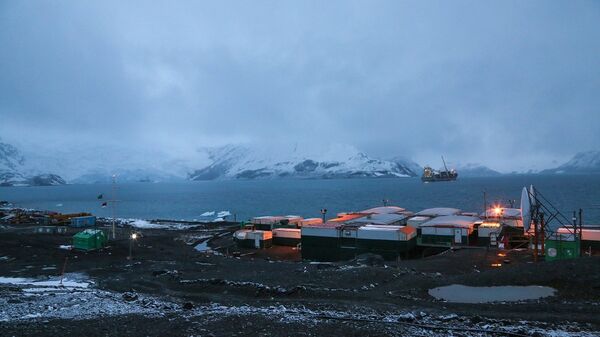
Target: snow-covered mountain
[[242, 162], [14, 171], [582, 162], [476, 170]]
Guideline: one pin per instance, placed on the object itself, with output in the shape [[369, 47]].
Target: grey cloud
[[507, 84]]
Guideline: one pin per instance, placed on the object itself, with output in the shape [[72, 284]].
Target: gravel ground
[[171, 289]]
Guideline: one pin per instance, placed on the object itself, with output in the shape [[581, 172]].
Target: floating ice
[[208, 213], [223, 214]]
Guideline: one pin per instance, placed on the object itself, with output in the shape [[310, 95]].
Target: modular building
[[286, 236], [560, 246], [487, 233], [89, 239], [267, 223], [448, 230], [417, 221], [320, 241], [590, 237], [334, 241], [249, 238], [386, 240], [83, 221], [311, 221], [50, 230], [293, 221]]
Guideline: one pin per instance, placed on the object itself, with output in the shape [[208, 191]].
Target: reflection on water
[[247, 198], [464, 294]]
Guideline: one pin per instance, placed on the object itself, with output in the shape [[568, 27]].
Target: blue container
[[83, 221]]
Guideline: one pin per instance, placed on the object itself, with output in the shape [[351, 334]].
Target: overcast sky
[[508, 84]]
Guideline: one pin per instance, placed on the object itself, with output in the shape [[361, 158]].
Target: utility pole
[[323, 212], [113, 204], [484, 206]]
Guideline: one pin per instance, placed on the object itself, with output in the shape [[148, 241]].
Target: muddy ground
[[169, 288]]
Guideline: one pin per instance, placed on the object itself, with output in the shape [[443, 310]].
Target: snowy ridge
[[582, 162], [14, 170], [476, 170], [241, 162]]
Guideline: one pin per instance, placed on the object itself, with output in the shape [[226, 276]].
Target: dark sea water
[[306, 197]]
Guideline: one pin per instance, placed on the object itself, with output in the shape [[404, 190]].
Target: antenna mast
[[446, 167], [114, 197]]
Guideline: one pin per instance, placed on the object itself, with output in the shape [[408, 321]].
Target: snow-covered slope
[[476, 170], [14, 171], [48, 164], [582, 162], [242, 162]]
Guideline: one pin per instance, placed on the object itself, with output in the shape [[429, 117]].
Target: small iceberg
[[205, 214], [223, 214]]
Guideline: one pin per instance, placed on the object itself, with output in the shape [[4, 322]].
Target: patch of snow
[[139, 223], [70, 281], [202, 247]]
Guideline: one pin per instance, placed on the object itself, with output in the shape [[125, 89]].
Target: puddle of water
[[464, 294]]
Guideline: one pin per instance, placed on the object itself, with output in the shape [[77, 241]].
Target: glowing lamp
[[497, 210]]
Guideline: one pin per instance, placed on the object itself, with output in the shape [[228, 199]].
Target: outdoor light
[[132, 238]]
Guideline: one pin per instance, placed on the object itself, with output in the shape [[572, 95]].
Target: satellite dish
[[532, 198], [526, 209]]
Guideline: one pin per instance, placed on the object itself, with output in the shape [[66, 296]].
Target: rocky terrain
[[171, 288]]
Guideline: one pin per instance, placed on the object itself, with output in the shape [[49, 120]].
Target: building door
[[256, 242], [457, 235]]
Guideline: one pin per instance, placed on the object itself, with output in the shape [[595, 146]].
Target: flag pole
[[114, 177]]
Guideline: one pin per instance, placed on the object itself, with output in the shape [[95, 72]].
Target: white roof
[[420, 218], [452, 221], [274, 217], [439, 211], [384, 210], [286, 230], [270, 218], [381, 228], [378, 219]]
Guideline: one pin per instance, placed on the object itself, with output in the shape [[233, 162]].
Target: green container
[[89, 239], [560, 249]]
